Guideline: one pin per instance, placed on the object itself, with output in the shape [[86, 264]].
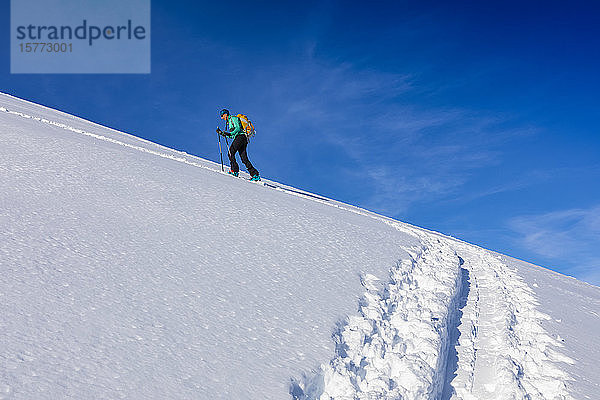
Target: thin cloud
[[399, 152], [526, 180], [394, 191], [570, 237]]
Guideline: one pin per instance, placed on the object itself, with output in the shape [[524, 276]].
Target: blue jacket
[[235, 127]]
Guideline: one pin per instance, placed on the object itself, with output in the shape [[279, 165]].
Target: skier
[[239, 144]]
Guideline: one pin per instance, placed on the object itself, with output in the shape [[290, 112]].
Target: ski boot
[[255, 178], [233, 173]]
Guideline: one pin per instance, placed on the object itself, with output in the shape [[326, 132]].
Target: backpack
[[247, 125]]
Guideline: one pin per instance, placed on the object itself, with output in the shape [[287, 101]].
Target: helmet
[[224, 111]]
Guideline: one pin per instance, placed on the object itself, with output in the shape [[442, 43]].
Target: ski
[[283, 189]]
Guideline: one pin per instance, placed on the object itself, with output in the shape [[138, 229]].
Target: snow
[[519, 358], [574, 311], [397, 347], [131, 270]]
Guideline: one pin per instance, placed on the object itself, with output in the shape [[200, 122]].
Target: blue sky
[[476, 119]]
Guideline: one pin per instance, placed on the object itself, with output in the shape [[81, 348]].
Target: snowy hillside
[[130, 270]]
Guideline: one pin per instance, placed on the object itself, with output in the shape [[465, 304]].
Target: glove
[[220, 132]]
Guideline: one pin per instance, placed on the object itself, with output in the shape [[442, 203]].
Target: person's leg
[[244, 155], [231, 154]]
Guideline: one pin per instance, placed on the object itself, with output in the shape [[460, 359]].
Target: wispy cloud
[[400, 152], [569, 237], [526, 180]]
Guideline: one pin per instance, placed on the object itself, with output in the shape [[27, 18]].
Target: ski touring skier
[[235, 131]]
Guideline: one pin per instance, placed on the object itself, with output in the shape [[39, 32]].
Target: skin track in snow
[[396, 348], [503, 350], [454, 322]]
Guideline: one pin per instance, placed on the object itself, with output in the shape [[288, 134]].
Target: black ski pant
[[239, 145]]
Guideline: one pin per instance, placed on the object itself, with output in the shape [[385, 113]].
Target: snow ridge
[[165, 152], [181, 158], [396, 348]]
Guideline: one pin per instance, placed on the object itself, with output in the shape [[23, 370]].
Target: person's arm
[[236, 128], [222, 133]]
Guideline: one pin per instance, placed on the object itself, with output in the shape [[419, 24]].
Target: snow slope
[[130, 270]]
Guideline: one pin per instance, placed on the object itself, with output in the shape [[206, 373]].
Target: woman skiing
[[236, 131]]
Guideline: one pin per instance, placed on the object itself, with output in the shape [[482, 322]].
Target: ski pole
[[220, 152]]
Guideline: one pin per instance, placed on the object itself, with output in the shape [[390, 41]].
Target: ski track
[[396, 347], [503, 350], [402, 344], [453, 322]]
